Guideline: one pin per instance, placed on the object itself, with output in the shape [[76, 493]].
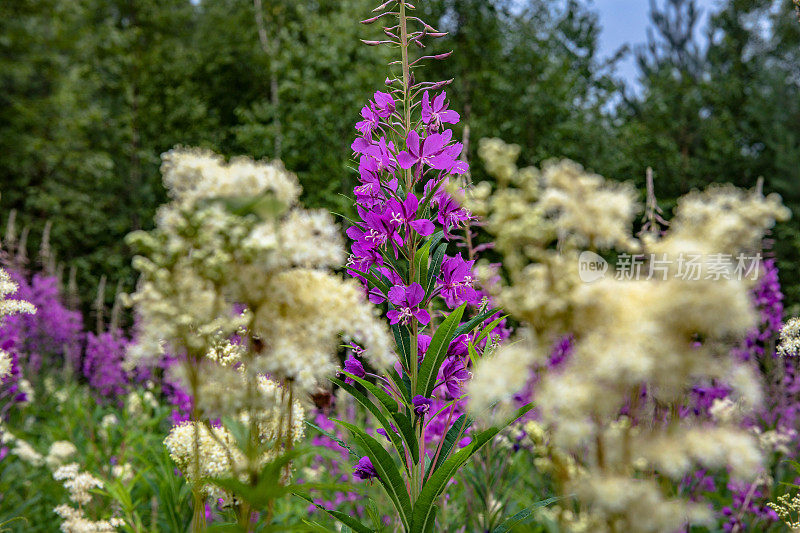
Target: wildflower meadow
[[418, 267]]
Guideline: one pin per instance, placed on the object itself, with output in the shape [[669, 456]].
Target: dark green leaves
[[435, 267], [437, 351], [424, 512], [456, 430], [388, 474], [512, 521]]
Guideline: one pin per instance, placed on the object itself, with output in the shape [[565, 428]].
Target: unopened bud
[[383, 6]]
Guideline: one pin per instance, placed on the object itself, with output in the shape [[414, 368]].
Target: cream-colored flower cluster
[[219, 455], [79, 484], [790, 338], [60, 451], [75, 521], [9, 307], [233, 236], [5, 364], [788, 510], [660, 333]]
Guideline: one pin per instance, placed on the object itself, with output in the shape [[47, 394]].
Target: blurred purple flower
[[364, 469]]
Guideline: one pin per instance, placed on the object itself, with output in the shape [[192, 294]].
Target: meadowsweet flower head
[[790, 338], [60, 452], [5, 364], [636, 343], [232, 237]]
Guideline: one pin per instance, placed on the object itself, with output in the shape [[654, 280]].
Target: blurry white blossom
[[661, 334]]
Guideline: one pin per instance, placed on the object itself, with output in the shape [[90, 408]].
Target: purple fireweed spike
[[407, 300], [364, 469], [456, 282], [369, 124], [383, 154], [422, 405], [451, 214]]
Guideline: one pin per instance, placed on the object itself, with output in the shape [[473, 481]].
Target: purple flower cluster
[[103, 363], [403, 195], [53, 336], [333, 466], [391, 215]]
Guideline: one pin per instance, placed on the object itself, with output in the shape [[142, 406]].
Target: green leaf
[[489, 328], [401, 420], [459, 426], [377, 413], [402, 338], [345, 519], [399, 266], [421, 263], [339, 441], [469, 325], [373, 279], [423, 514], [403, 384], [522, 516], [435, 268], [437, 351], [388, 474], [473, 354]]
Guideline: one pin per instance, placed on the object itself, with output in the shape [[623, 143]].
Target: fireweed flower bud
[[422, 405], [354, 366], [364, 469]]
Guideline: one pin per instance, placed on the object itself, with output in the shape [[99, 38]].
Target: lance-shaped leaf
[[361, 398], [470, 324], [458, 428], [333, 437], [437, 351], [373, 279], [401, 420], [402, 340], [422, 258], [344, 518], [403, 384], [489, 328], [388, 474], [424, 512], [435, 268], [512, 521]]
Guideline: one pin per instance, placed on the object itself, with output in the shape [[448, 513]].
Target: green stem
[[406, 81]]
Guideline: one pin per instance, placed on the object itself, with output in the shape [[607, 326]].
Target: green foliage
[[91, 92], [154, 499], [724, 113]]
